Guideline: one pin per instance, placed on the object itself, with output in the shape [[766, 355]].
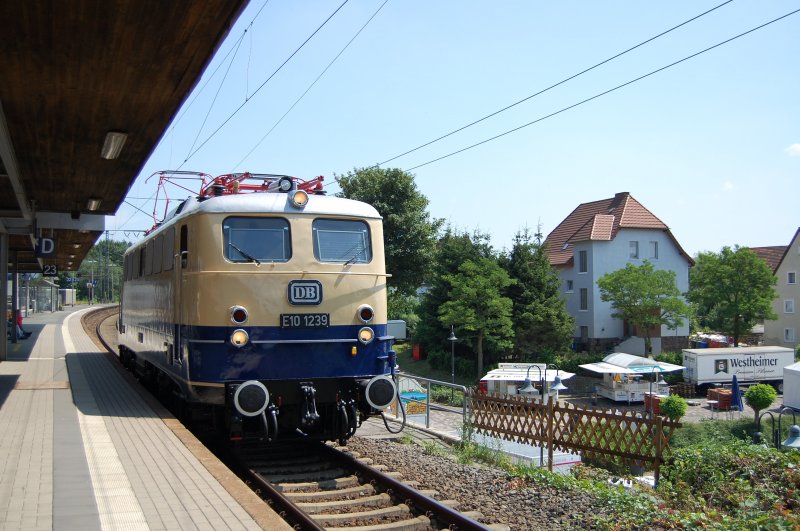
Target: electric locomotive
[[263, 301]]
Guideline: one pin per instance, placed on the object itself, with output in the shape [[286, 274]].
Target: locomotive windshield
[[340, 240], [249, 239]]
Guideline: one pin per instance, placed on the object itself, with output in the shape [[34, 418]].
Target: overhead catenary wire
[[312, 84], [199, 91], [261, 86], [196, 93], [542, 91], [596, 96]]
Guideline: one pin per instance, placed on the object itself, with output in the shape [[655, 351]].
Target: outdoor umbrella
[[736, 394]]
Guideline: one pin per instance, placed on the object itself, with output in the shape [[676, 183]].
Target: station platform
[[81, 448]]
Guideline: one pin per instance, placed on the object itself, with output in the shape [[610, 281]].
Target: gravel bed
[[477, 488]]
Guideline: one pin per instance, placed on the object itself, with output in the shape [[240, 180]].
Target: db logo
[[305, 292]]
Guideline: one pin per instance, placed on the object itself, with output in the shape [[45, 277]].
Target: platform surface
[[81, 449]]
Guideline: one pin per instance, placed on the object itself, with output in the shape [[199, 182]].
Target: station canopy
[[621, 363]]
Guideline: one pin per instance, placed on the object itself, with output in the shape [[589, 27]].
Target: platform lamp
[[452, 339], [527, 385], [791, 442], [557, 384]]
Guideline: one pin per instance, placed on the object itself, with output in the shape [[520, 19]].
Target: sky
[[711, 145]]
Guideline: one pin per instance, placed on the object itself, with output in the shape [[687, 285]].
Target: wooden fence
[[596, 434]]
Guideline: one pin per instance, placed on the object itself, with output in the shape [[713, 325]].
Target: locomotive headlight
[[366, 335], [298, 198], [238, 315], [239, 338], [365, 313]]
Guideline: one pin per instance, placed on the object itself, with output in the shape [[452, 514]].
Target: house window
[[791, 277], [583, 262], [584, 299], [654, 250], [634, 250], [569, 286], [788, 306], [788, 335], [584, 333]]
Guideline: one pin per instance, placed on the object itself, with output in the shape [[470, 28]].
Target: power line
[[603, 93], [552, 86], [313, 83], [234, 113]]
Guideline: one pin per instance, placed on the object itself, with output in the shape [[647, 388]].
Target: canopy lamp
[[112, 145], [93, 203]]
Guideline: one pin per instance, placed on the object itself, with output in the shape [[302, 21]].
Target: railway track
[[316, 486], [321, 487]]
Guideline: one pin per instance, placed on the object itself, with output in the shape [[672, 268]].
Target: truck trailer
[[710, 367]]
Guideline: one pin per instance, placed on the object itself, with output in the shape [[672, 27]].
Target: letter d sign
[[45, 247]]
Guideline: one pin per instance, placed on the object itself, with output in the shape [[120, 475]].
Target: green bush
[[747, 486], [760, 396], [673, 407]]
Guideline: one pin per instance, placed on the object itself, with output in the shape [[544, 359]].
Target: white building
[[785, 263], [601, 237]]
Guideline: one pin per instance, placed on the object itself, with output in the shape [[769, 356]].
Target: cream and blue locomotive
[[263, 301]]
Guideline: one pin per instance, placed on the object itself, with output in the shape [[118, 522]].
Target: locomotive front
[[284, 301]]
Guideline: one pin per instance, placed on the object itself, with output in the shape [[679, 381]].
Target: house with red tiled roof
[[603, 236], [785, 263]]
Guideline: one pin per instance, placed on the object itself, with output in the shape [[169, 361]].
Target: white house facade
[[602, 237], [785, 330]]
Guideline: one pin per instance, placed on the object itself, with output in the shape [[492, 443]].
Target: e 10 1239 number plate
[[305, 320]]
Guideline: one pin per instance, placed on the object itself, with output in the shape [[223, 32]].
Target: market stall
[[628, 378]]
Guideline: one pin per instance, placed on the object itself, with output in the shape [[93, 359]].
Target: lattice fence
[[595, 433]]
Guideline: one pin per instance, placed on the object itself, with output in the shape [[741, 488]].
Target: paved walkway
[[81, 449]]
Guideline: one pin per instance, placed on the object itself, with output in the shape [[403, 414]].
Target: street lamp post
[[661, 381], [90, 285], [452, 339]]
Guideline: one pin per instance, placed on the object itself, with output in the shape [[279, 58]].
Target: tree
[[645, 297], [732, 290], [760, 396], [541, 320], [476, 303], [409, 233], [103, 264], [453, 249]]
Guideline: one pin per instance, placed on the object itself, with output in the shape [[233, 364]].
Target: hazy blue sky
[[711, 146]]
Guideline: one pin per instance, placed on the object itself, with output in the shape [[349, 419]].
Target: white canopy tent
[[620, 363], [623, 376]]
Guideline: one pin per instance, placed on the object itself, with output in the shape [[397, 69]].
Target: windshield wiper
[[357, 248], [246, 255]]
